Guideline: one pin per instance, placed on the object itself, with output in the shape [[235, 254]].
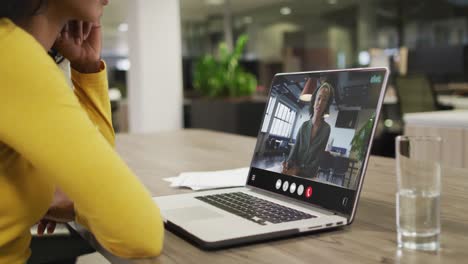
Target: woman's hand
[[60, 211], [80, 42], [290, 169], [46, 225]]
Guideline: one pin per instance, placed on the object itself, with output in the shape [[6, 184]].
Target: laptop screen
[[315, 135]]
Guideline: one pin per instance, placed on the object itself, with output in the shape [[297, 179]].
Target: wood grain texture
[[465, 148], [370, 239]]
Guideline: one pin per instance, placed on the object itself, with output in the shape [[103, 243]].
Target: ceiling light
[[364, 58], [214, 2], [333, 2], [285, 11], [388, 123], [123, 65], [123, 27]]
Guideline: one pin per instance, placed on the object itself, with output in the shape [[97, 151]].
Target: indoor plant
[[225, 87], [361, 138], [223, 76]]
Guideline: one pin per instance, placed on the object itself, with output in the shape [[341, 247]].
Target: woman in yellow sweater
[[53, 138]]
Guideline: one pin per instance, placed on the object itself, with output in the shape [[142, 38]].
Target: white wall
[[155, 76], [340, 41], [268, 41]]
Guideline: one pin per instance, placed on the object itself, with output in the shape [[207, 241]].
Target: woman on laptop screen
[[312, 137]]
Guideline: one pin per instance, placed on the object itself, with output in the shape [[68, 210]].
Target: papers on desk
[[205, 180]]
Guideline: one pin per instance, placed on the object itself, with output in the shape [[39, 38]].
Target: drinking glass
[[418, 192]]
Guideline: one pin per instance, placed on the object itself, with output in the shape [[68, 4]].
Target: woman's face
[[321, 101], [84, 10]]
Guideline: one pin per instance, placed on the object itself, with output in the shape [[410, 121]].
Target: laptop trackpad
[[194, 213]]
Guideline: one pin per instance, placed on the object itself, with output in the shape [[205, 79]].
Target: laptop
[[307, 168]]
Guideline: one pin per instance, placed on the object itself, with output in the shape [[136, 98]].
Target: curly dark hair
[[17, 10], [314, 96]]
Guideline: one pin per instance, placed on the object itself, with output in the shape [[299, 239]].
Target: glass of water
[[418, 192]]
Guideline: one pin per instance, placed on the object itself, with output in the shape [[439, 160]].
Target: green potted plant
[[226, 90], [359, 142], [224, 76]]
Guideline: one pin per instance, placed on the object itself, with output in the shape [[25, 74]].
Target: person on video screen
[[312, 137]]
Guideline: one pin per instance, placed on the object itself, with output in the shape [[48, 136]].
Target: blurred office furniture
[[456, 101], [460, 88], [326, 165], [412, 93], [276, 146], [446, 100], [335, 168], [440, 62], [415, 94], [347, 119], [62, 247], [354, 171], [371, 238], [451, 126], [120, 117], [115, 97], [341, 166], [232, 115]]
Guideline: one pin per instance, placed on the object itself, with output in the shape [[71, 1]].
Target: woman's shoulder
[[307, 123], [20, 50], [24, 61]]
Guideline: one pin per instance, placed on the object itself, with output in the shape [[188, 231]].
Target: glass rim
[[419, 138]]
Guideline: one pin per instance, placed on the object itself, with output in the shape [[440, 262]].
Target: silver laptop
[[307, 169]]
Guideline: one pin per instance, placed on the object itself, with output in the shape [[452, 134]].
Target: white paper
[[210, 179]]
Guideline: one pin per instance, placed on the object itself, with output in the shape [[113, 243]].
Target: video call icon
[[292, 189], [309, 192], [300, 190], [278, 184]]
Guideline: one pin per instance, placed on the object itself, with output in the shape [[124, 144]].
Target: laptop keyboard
[[254, 209]]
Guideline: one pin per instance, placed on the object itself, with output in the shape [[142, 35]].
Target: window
[[266, 121], [282, 121]]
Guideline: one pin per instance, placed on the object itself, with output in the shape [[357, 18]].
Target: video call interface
[[318, 126]]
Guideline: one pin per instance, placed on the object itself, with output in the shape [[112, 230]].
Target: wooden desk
[[371, 239], [458, 88]]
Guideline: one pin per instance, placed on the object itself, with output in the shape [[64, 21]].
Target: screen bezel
[[363, 169]]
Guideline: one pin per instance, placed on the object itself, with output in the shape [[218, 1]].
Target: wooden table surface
[[370, 239]]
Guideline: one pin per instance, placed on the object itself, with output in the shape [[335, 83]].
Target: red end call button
[[308, 192]]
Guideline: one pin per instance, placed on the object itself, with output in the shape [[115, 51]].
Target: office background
[[152, 49]]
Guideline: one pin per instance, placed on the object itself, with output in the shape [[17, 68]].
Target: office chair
[[60, 248], [415, 94], [341, 165], [326, 164]]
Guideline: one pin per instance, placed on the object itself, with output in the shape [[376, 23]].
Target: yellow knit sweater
[[51, 136]]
